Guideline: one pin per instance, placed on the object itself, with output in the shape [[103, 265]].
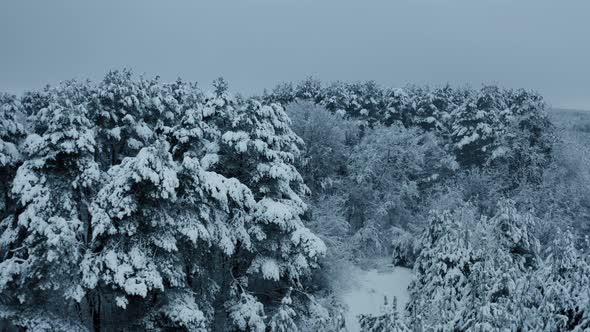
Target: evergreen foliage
[[132, 204]]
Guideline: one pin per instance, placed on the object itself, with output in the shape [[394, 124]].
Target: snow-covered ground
[[365, 294]]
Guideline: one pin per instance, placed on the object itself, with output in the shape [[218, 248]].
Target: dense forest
[[131, 204]]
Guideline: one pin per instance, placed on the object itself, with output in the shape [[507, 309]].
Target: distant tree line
[[480, 127]]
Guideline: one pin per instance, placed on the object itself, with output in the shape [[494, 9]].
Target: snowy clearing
[[365, 295]]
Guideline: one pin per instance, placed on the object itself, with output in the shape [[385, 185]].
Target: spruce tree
[[44, 243]]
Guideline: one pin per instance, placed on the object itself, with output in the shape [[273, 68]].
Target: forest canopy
[[132, 204]]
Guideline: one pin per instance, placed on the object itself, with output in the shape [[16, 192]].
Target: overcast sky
[[537, 44]]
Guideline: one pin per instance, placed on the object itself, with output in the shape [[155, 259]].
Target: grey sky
[[538, 44]]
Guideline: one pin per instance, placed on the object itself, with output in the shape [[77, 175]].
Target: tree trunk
[[223, 278], [95, 306]]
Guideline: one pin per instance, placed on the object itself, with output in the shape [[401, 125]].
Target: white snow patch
[[365, 295]]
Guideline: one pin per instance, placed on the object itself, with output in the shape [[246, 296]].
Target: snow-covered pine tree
[[446, 99], [565, 283], [367, 102], [12, 132], [196, 143], [476, 126], [504, 281], [514, 232], [338, 99], [259, 150], [133, 249], [426, 114], [283, 93], [155, 224], [524, 151], [324, 314], [202, 119], [33, 101], [216, 210], [399, 108], [43, 245], [125, 111], [404, 246], [283, 319], [309, 89], [245, 312], [495, 280], [439, 294], [193, 121]]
